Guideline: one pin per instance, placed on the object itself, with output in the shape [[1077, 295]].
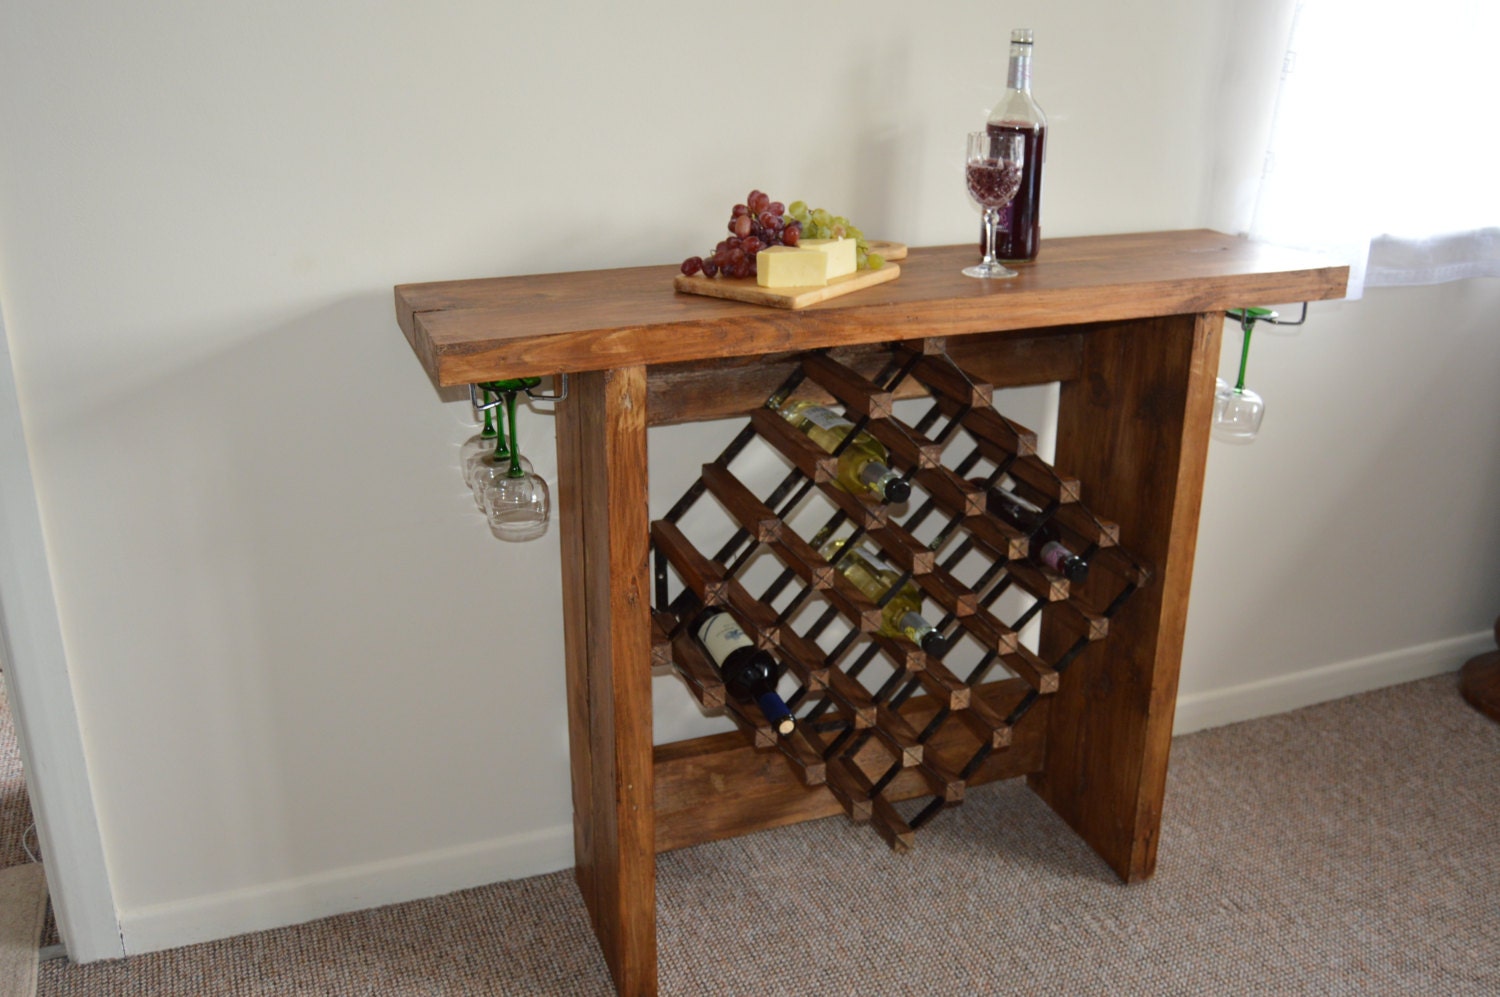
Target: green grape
[[819, 223]]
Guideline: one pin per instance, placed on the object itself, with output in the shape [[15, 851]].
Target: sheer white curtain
[[1385, 144]]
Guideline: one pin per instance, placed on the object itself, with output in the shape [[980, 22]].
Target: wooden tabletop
[[480, 330]]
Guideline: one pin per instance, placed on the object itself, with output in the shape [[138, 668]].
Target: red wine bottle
[[1016, 113], [1046, 547], [750, 673]]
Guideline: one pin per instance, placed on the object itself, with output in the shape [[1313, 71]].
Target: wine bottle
[[1016, 113], [864, 465], [750, 673], [902, 615], [1046, 548]]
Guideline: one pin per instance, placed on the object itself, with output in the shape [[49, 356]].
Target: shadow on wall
[[282, 609]]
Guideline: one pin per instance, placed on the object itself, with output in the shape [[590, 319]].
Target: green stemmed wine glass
[[1238, 411], [517, 502]]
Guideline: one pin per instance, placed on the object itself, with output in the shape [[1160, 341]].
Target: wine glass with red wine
[[993, 171]]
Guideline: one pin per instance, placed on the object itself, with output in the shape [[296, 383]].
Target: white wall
[[307, 678]]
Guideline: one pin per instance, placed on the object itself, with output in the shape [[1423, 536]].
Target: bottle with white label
[[901, 616], [750, 673], [864, 465], [1046, 548]]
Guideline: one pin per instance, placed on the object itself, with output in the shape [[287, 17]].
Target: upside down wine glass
[[493, 457], [993, 171], [1238, 411], [516, 502]]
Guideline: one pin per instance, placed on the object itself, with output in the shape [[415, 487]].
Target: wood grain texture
[[601, 445], [478, 330], [730, 386], [718, 787], [1135, 426]]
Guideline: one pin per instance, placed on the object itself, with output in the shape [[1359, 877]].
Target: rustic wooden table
[[1130, 325]]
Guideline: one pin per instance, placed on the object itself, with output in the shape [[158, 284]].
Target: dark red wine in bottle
[[750, 673], [1020, 235]]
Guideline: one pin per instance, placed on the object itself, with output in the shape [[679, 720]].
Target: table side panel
[[1135, 427]]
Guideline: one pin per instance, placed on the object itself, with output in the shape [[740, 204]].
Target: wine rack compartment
[[893, 557]]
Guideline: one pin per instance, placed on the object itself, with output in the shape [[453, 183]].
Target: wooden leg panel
[[1135, 428], [602, 511]]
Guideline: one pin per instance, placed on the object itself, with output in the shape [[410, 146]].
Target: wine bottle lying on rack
[[864, 465], [750, 673], [1047, 548], [902, 615]]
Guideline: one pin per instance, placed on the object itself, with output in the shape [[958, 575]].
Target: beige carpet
[[23, 909], [1349, 848]]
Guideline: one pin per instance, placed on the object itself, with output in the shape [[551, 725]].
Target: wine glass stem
[[991, 222], [489, 416], [516, 470], [1244, 358]]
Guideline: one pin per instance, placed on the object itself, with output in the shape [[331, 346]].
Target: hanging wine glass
[[1238, 411], [482, 444], [517, 503], [495, 461]]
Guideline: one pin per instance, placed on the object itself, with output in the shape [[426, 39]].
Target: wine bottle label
[[876, 474], [1017, 502], [915, 627], [1054, 555], [825, 418], [721, 635]]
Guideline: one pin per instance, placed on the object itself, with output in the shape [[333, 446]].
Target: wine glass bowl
[[1237, 414], [992, 170], [518, 506], [487, 467]]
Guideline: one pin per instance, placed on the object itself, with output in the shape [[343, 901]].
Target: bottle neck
[[1019, 75]]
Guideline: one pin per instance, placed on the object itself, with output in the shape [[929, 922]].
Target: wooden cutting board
[[746, 289]]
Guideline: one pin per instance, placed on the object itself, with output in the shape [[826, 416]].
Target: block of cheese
[[789, 266], [841, 254]]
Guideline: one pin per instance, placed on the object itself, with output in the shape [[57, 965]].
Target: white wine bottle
[[902, 615], [864, 465]]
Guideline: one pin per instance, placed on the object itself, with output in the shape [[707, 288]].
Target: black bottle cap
[[1075, 569], [935, 644], [897, 491]]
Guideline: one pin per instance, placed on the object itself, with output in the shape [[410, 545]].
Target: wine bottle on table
[[864, 465], [750, 673], [902, 615], [1047, 547], [1016, 113]]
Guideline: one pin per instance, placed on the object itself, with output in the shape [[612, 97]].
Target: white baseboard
[[339, 891], [1217, 707]]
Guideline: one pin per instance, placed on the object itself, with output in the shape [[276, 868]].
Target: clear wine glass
[[993, 171], [1238, 411], [517, 503], [490, 458], [481, 444]]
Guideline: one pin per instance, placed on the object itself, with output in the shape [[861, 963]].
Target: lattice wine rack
[[891, 730]]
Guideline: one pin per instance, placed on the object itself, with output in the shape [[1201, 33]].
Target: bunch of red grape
[[754, 225]]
